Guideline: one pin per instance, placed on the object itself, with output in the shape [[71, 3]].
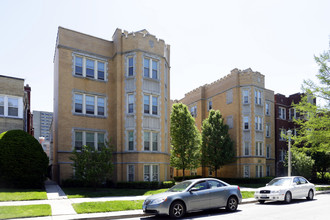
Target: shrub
[[23, 163], [179, 178], [138, 185], [167, 184]]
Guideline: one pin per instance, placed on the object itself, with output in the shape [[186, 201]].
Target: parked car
[[194, 195], [285, 189]]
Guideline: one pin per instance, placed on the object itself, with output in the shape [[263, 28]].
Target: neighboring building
[[284, 115], [248, 109], [14, 104], [41, 124], [114, 91]]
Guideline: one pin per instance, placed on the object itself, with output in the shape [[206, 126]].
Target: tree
[[314, 120], [217, 146], [23, 162], [185, 139], [93, 166], [302, 165]]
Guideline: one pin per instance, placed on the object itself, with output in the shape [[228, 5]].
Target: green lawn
[[247, 194], [21, 194], [24, 211], [110, 206], [105, 192]]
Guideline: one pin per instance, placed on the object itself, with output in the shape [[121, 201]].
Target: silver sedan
[[194, 195]]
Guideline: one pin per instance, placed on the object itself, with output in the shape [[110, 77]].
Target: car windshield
[[180, 187], [280, 182]]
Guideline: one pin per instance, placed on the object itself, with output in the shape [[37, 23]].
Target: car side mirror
[[194, 189], [266, 184], [294, 184]]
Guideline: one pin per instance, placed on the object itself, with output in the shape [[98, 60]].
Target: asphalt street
[[317, 209]]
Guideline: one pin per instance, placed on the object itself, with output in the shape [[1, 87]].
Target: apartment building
[[41, 124], [14, 104], [248, 109], [113, 91]]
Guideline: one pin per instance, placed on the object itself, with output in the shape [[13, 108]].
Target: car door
[[296, 190], [199, 197], [304, 187], [217, 194]]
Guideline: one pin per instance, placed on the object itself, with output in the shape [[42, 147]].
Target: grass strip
[[323, 188], [110, 206], [24, 211], [247, 194], [21, 194]]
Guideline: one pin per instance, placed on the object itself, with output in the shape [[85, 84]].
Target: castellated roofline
[[142, 33]]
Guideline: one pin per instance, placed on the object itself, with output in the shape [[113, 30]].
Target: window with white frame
[[282, 134], [130, 172], [151, 172], [89, 138], [268, 151], [267, 130], [150, 104], [89, 67], [292, 113], [247, 148], [258, 171], [89, 104], [245, 96], [267, 108], [193, 111], [150, 68], [2, 105], [11, 106], [130, 141], [258, 123], [151, 142], [130, 103], [130, 66], [246, 125], [246, 171], [259, 148], [257, 97], [281, 113]]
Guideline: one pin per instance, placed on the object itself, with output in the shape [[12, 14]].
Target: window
[[130, 173], [281, 113], [147, 104], [258, 123], [258, 171], [282, 155], [282, 134], [210, 171], [151, 172], [257, 97], [193, 172], [193, 111], [89, 138], [267, 109], [210, 105], [246, 148], [201, 186], [130, 71], [150, 72], [130, 140], [89, 68], [79, 66], [268, 171], [230, 122], [259, 150], [246, 171], [246, 123], [130, 103], [267, 130], [151, 138], [292, 113], [12, 106], [229, 96], [268, 151], [100, 70], [89, 104], [245, 96]]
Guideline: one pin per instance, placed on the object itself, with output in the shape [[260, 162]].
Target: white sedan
[[285, 189]]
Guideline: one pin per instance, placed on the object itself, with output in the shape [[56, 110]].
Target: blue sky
[[208, 38]]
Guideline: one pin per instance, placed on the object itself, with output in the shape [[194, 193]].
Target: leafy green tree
[[217, 146], [301, 164], [93, 166], [322, 162], [185, 139], [314, 120]]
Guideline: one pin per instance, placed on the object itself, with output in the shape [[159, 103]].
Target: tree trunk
[[183, 174]]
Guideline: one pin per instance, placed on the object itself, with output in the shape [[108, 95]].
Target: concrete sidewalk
[[62, 206]]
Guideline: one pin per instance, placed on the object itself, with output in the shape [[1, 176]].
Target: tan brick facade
[[255, 146], [124, 59]]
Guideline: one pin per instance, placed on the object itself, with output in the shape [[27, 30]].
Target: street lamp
[[289, 132]]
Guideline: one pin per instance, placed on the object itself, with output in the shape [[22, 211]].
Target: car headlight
[[158, 201]]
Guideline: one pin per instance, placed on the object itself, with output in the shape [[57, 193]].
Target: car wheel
[[261, 201], [177, 209], [232, 204], [287, 197], [310, 195]]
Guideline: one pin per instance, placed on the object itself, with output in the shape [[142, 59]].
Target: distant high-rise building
[[116, 91], [41, 124]]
